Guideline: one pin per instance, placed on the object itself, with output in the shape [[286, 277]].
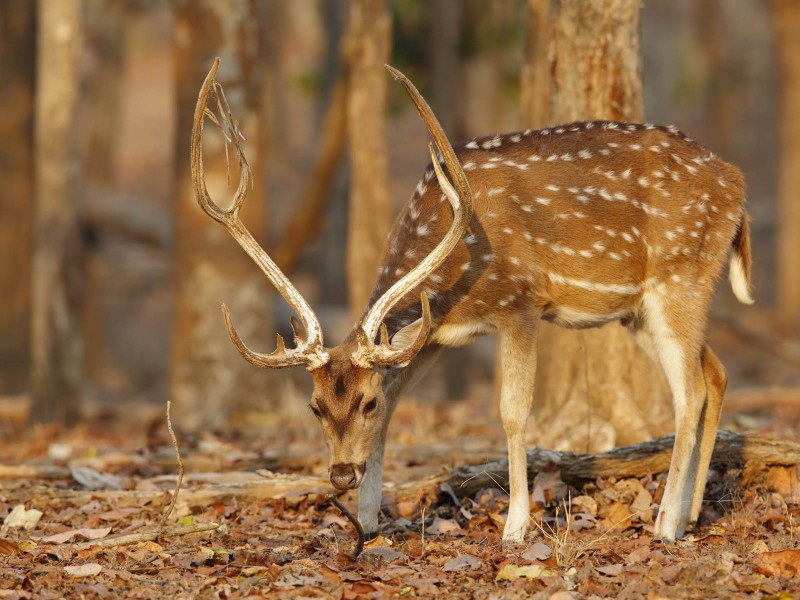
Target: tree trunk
[[211, 382], [595, 388], [17, 55], [719, 75], [787, 27], [105, 33], [368, 41], [535, 79], [57, 348], [445, 74]]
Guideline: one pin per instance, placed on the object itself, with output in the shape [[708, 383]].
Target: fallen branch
[[750, 451], [146, 536], [33, 472], [732, 450]]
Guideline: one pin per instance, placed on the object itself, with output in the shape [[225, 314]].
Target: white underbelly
[[459, 334], [572, 318]]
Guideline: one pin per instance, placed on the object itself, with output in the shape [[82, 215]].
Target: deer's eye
[[371, 405]]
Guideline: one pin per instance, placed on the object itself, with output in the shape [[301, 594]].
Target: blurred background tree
[[154, 270], [596, 388], [17, 56], [57, 271], [209, 382], [787, 27]]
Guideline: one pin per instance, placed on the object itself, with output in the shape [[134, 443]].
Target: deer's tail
[[740, 261]]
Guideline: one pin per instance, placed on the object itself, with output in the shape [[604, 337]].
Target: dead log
[[732, 450]]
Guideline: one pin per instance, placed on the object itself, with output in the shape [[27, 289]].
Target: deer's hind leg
[[713, 380], [674, 338]]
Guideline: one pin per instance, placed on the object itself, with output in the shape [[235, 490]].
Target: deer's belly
[[573, 318], [459, 334]]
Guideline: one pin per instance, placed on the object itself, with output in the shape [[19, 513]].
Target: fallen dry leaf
[[587, 503], [618, 516], [94, 480], [443, 526], [785, 563], [611, 570], [65, 536], [84, 570], [462, 562], [383, 553], [378, 541], [538, 551], [117, 514], [20, 518], [8, 547], [548, 488], [784, 481], [408, 510], [642, 506], [671, 572], [511, 572]]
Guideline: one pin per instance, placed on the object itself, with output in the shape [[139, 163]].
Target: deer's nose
[[343, 476]]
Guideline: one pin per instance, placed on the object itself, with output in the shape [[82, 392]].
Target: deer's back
[[578, 221]]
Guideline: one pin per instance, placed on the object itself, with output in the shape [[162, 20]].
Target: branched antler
[[309, 351]]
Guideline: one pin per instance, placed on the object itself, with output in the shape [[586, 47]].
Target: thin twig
[[180, 468], [354, 521], [147, 536]]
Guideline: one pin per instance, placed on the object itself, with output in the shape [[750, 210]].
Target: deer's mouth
[[347, 476]]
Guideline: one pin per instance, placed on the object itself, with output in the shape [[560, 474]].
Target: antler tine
[[384, 354], [461, 203], [442, 143], [198, 175], [310, 351], [415, 276]]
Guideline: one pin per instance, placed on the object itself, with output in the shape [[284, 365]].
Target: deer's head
[[348, 396]]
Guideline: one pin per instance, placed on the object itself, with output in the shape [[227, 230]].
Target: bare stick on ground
[[147, 536], [350, 517], [180, 468]]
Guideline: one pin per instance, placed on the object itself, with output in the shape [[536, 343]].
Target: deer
[[580, 225]]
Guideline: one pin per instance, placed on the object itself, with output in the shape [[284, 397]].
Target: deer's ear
[[406, 336]]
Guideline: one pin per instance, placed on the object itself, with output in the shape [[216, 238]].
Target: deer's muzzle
[[346, 476]]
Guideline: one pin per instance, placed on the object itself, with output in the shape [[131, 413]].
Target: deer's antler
[[309, 351], [460, 198]]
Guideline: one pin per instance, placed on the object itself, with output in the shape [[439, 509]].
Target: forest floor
[[82, 509]]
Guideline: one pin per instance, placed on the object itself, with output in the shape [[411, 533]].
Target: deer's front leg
[[518, 366], [369, 497], [396, 382]]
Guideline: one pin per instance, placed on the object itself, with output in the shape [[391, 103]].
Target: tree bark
[[210, 381], [18, 55], [595, 388], [535, 78], [57, 348], [445, 75], [787, 28], [368, 41]]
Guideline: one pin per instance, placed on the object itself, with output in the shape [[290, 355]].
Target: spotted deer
[[580, 225]]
